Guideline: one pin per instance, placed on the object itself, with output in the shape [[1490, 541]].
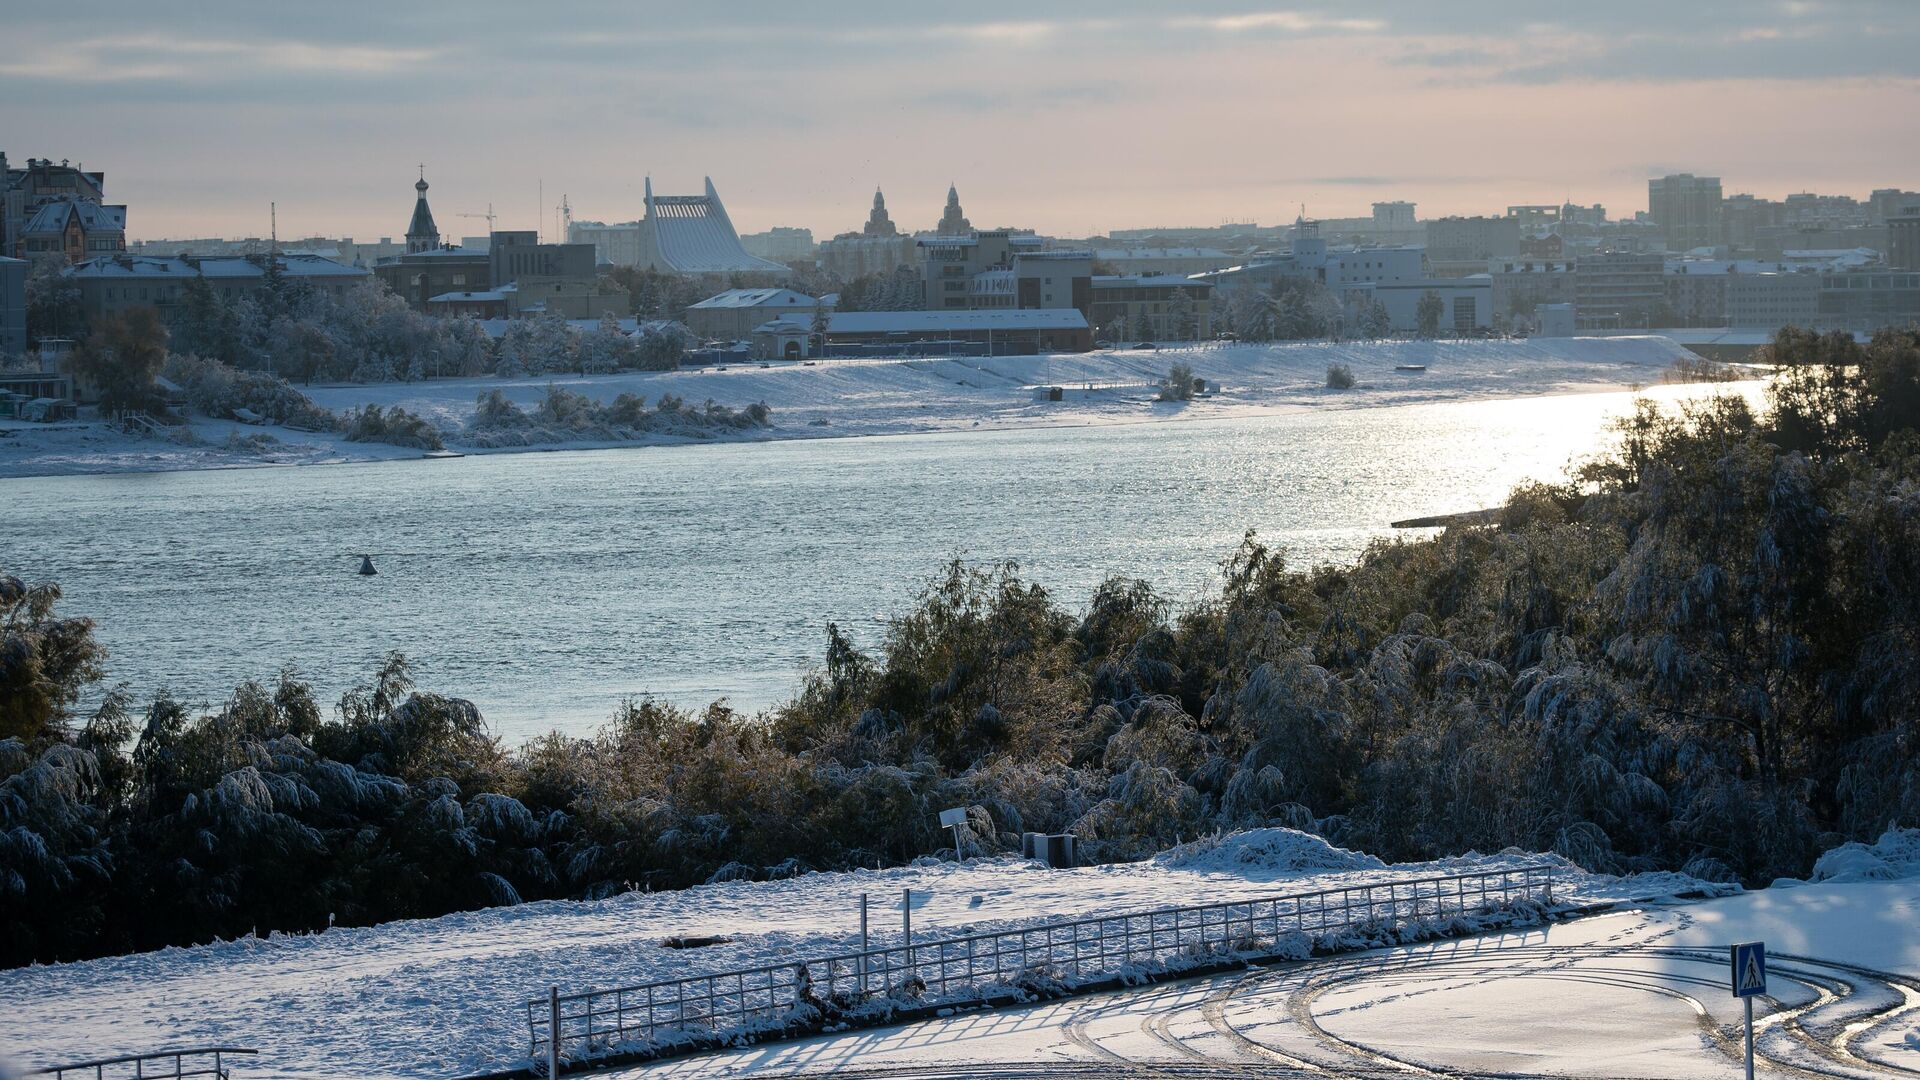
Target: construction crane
[[489, 215]]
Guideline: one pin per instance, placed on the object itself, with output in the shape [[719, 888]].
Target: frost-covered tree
[[1428, 313], [1182, 322]]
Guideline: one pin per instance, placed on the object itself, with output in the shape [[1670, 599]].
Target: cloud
[[1291, 22], [160, 56]]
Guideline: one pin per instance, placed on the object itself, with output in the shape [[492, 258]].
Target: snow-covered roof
[[752, 298], [468, 297], [1169, 281], [693, 235], [224, 268], [497, 328], [53, 217], [454, 252], [947, 241], [907, 322], [785, 324], [1124, 254]]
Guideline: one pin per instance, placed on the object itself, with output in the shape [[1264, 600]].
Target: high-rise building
[[1618, 289], [1393, 215], [1903, 237], [1687, 209], [1463, 245]]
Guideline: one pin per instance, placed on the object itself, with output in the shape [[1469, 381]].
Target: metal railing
[[159, 1065], [975, 966]]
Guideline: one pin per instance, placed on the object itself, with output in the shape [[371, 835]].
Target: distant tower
[[422, 234], [878, 223], [953, 222]]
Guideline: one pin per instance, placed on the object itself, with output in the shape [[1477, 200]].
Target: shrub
[[394, 425], [1339, 377], [1178, 385]]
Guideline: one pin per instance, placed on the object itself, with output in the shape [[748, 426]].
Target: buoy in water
[[366, 566]]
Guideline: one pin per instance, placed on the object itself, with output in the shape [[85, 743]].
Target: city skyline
[[1045, 118]]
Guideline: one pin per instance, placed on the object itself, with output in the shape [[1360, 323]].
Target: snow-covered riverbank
[[838, 398]]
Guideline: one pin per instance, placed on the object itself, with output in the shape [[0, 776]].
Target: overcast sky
[[1071, 119]]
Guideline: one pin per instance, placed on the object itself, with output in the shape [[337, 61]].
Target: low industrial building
[[1618, 289], [419, 276], [116, 283], [1147, 261], [1002, 332], [1466, 304], [1770, 301], [1868, 301], [1150, 298], [735, 314]]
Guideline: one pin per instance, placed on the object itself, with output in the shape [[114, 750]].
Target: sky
[[1069, 118]]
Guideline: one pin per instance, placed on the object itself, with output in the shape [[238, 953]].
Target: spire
[[953, 222], [422, 234]]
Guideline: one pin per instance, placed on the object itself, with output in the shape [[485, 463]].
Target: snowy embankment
[[830, 398], [444, 996], [1641, 991]]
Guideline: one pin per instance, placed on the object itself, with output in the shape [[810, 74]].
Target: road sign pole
[[1749, 1002], [906, 925]]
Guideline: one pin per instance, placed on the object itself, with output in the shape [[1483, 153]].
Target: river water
[[545, 586]]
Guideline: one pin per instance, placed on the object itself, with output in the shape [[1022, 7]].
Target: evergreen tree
[[1427, 314], [1182, 323], [1375, 322], [121, 359]]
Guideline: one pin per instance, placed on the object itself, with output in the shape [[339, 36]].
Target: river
[[545, 586]]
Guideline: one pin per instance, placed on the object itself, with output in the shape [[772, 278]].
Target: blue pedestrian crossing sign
[[1749, 969]]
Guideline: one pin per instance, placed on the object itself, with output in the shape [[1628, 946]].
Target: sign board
[[955, 816], [1749, 969]]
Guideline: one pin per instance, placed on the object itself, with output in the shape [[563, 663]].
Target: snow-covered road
[[1639, 993]]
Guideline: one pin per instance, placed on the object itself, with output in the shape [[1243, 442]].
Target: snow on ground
[[1636, 992], [443, 996], [829, 398]]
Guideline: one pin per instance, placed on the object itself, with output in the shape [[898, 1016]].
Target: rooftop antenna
[[540, 215], [273, 224]]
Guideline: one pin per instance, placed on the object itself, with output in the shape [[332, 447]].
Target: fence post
[[906, 925], [553, 1032], [863, 945]]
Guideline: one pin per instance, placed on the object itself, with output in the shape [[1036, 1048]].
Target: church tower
[[953, 222], [422, 234]]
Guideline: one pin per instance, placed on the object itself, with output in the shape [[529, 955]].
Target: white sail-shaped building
[[691, 234]]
